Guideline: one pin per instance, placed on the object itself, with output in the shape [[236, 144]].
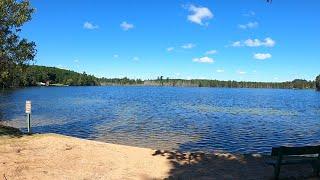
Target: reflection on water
[[188, 119], [202, 108]]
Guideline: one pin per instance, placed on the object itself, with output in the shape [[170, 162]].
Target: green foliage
[[300, 84], [296, 84], [318, 83], [15, 52], [120, 81], [35, 74]]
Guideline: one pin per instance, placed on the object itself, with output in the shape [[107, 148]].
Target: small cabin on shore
[[47, 83]]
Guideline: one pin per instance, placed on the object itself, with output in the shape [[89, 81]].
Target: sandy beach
[[52, 156]]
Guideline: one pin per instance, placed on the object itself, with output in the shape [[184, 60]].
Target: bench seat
[[293, 160], [295, 155]]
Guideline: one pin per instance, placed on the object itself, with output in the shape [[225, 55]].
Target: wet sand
[[52, 156]]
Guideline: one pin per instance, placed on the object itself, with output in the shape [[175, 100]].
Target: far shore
[[53, 156], [148, 85]]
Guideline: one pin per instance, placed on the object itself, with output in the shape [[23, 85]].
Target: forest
[[120, 81], [32, 75], [295, 84]]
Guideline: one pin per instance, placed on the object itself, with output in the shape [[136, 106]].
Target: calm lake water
[[186, 119]]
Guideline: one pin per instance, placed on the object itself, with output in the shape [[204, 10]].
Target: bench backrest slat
[[295, 150]]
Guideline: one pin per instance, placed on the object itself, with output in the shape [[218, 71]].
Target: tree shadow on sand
[[220, 165], [10, 131]]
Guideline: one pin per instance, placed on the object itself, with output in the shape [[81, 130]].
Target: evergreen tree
[[318, 83]]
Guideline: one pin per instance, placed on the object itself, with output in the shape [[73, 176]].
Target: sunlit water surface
[[185, 119]]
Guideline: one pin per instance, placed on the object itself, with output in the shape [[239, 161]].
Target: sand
[[52, 156]]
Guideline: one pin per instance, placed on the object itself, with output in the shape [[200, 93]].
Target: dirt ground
[[51, 156]]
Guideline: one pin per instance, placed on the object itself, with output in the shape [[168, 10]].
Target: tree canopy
[[295, 84], [318, 83], [35, 74], [15, 52]]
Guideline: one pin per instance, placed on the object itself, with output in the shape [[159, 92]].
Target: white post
[[28, 112]]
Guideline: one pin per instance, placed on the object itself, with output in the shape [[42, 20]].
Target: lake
[[172, 118]]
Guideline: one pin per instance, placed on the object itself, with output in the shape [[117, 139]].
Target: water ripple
[[186, 119]]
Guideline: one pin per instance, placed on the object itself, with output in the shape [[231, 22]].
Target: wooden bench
[[295, 155]]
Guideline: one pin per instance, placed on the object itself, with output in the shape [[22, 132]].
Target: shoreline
[[54, 156], [158, 85]]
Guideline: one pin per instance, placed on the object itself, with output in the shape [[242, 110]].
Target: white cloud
[[242, 26], [188, 46], [220, 70], [252, 24], [135, 58], [126, 26], [211, 52], [76, 61], [249, 25], [236, 44], [253, 43], [170, 49], [267, 42], [241, 72], [262, 56], [62, 67], [199, 14], [115, 56], [177, 74], [89, 25], [204, 59]]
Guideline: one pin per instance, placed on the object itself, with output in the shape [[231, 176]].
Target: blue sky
[[216, 39]]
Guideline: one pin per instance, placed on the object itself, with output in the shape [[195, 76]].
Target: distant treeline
[[318, 83], [295, 84], [160, 81], [31, 75], [120, 81]]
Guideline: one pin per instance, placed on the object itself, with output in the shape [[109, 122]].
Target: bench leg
[[276, 171], [278, 165], [316, 169]]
